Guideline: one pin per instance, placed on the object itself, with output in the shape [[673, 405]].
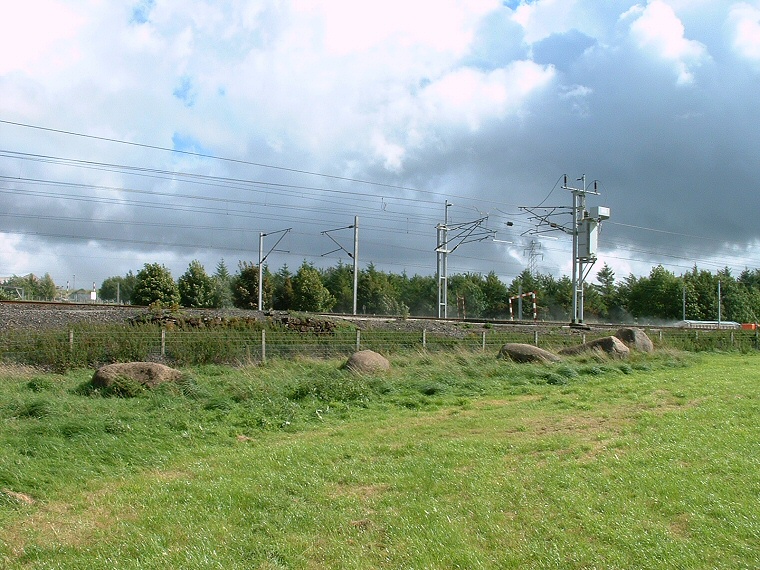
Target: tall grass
[[449, 460], [241, 343]]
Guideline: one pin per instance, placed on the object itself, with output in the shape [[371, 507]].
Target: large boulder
[[367, 362], [635, 338], [518, 352], [144, 374], [610, 345]]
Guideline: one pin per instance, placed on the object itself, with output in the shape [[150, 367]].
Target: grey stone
[[148, 374], [610, 345], [635, 338], [367, 362], [518, 352]]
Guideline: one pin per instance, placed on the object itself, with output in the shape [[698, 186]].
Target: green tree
[[309, 293], [32, 287], [657, 296], [340, 282], [282, 289], [196, 287], [526, 282], [46, 289], [154, 285], [553, 296], [376, 294], [750, 282], [117, 288], [419, 293], [222, 286], [245, 286], [465, 292], [701, 288], [736, 301], [608, 294], [496, 297], [593, 304], [750, 278]]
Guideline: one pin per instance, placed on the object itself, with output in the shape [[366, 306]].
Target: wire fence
[[84, 348]]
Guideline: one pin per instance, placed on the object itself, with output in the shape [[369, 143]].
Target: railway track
[[16, 313]]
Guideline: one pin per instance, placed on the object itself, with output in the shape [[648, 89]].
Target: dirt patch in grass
[[61, 523], [64, 524], [361, 492], [20, 498], [17, 371]]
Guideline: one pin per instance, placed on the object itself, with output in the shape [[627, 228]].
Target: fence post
[[71, 341], [424, 339], [732, 338], [660, 336], [535, 338], [263, 346], [358, 339], [484, 341], [163, 343]]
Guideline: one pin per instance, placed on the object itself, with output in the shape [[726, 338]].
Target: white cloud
[[34, 34], [468, 96], [656, 27], [13, 258], [745, 20], [350, 26], [543, 18], [391, 154]]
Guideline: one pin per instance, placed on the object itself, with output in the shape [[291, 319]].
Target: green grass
[[448, 461]]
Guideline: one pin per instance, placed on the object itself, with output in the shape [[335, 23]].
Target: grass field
[[448, 461]]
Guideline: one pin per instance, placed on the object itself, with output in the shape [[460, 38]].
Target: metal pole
[[261, 272], [439, 266], [442, 267], [718, 303], [445, 297], [519, 302], [356, 259], [575, 257], [579, 208]]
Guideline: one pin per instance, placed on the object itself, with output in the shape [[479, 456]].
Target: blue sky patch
[[141, 11], [188, 143], [185, 92]]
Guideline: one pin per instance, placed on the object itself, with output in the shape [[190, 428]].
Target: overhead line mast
[[585, 233], [466, 232]]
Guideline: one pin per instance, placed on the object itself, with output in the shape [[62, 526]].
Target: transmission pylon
[[532, 250]]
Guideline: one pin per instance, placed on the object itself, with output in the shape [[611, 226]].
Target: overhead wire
[[357, 200]]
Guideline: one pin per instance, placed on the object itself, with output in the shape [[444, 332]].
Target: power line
[[242, 162], [356, 200]]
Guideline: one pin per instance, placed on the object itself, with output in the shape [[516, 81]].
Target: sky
[[164, 131]]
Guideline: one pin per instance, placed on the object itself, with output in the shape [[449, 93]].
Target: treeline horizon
[[661, 296]]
